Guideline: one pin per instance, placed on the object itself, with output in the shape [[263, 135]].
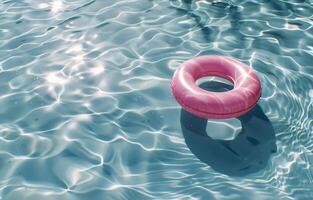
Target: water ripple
[[86, 110]]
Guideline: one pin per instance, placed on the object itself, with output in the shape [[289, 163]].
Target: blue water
[[86, 110]]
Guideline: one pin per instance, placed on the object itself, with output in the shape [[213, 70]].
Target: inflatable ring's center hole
[[226, 129], [215, 84]]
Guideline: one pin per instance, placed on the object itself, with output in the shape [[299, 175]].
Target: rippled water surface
[[86, 110]]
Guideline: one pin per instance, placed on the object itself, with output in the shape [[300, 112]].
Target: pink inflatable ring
[[216, 105]]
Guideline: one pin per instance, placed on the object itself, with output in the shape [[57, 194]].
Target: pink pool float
[[216, 105]]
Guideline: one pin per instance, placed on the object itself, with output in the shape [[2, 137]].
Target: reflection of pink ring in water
[[216, 105]]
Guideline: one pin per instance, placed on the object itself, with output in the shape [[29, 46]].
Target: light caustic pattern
[[86, 110]]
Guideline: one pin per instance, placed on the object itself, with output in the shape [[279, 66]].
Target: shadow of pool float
[[249, 152]]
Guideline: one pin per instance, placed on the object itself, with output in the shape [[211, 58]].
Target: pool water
[[86, 110]]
